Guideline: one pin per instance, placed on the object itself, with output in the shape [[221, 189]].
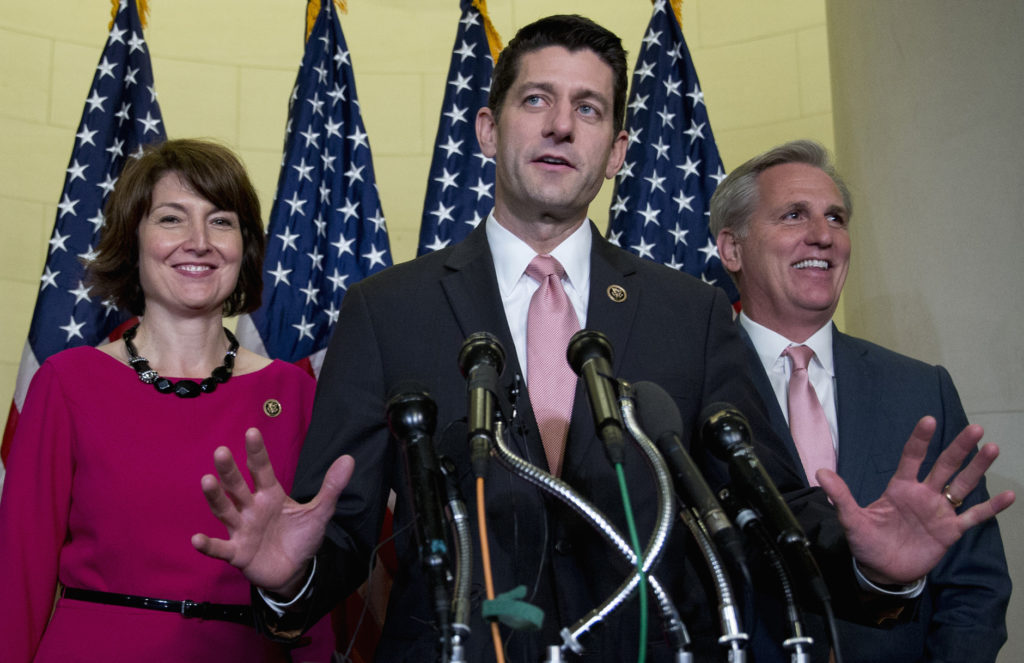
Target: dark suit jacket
[[408, 322], [880, 397]]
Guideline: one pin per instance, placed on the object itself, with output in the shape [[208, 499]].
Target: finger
[[258, 460], [221, 506], [979, 513], [952, 458], [968, 478], [216, 548], [231, 477], [915, 450], [837, 491], [337, 477]]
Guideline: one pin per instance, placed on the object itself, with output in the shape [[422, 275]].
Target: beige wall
[[929, 135], [224, 69]]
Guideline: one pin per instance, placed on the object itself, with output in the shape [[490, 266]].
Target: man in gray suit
[[782, 225]]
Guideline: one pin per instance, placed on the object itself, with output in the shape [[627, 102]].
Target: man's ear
[[617, 155], [729, 250], [486, 131]]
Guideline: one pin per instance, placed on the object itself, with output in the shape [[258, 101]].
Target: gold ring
[[957, 503]]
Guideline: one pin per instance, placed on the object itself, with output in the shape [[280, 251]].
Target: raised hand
[[901, 536], [271, 537]]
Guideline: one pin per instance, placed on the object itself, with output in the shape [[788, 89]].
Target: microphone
[[481, 360], [727, 433], [590, 356], [660, 417], [412, 418]]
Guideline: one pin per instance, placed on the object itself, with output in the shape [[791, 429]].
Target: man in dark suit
[[782, 224], [553, 124]]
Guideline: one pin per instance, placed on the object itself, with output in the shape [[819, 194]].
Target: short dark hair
[[734, 200], [573, 33], [213, 172]]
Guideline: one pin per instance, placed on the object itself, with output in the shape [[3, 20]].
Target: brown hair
[[213, 172], [574, 33]]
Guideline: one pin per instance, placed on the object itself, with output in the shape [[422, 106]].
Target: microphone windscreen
[[658, 413]]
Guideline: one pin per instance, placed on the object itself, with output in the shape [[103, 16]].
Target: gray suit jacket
[[880, 397]]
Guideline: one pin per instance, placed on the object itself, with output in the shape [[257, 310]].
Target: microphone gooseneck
[[661, 419]]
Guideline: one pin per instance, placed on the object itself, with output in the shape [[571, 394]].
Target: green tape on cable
[[512, 611]]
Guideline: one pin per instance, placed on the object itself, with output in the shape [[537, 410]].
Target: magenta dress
[[102, 492]]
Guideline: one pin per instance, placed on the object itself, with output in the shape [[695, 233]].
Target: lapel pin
[[616, 293], [272, 407]]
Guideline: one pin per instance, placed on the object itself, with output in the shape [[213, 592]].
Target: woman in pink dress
[[102, 492]]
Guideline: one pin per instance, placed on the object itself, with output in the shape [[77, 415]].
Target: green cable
[[635, 540]]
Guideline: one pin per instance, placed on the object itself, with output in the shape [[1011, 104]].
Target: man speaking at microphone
[[532, 274], [782, 221]]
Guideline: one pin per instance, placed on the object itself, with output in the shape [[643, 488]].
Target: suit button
[[563, 547]]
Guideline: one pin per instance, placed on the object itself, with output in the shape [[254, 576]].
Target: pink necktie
[[551, 382], [807, 420]]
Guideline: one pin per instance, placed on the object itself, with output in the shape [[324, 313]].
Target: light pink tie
[[551, 382], [807, 420]]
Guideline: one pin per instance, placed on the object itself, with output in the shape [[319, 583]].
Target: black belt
[[225, 612]]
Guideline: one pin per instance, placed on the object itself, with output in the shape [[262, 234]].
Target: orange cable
[[485, 552]]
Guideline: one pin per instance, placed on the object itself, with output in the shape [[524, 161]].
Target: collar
[[511, 255], [769, 344]]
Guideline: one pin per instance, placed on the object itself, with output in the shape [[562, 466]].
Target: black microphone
[[481, 360], [590, 356], [726, 432], [412, 418], [660, 418]]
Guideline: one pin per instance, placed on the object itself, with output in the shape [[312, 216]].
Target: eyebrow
[[575, 95], [178, 206], [805, 206]]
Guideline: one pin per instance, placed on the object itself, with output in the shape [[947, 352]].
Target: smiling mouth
[[194, 269], [811, 263]]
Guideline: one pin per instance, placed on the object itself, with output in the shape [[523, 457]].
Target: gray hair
[[736, 197]]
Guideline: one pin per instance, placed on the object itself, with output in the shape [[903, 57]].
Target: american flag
[[326, 227], [460, 192], [660, 206], [121, 115]]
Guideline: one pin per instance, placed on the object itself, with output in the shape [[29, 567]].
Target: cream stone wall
[[225, 69]]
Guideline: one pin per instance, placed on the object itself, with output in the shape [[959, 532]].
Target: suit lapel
[[472, 292], [775, 414], [613, 316], [856, 421], [471, 288]]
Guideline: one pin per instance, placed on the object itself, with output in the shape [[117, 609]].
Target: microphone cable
[[799, 641], [485, 554], [634, 538]]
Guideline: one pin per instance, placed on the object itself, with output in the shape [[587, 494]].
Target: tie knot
[[800, 356], [543, 266]]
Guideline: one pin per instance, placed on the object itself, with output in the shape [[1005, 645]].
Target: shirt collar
[[511, 255], [770, 344]]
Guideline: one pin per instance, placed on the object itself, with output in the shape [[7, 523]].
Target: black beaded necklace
[[181, 388]]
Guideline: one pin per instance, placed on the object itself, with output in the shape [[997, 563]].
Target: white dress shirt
[[821, 369]]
